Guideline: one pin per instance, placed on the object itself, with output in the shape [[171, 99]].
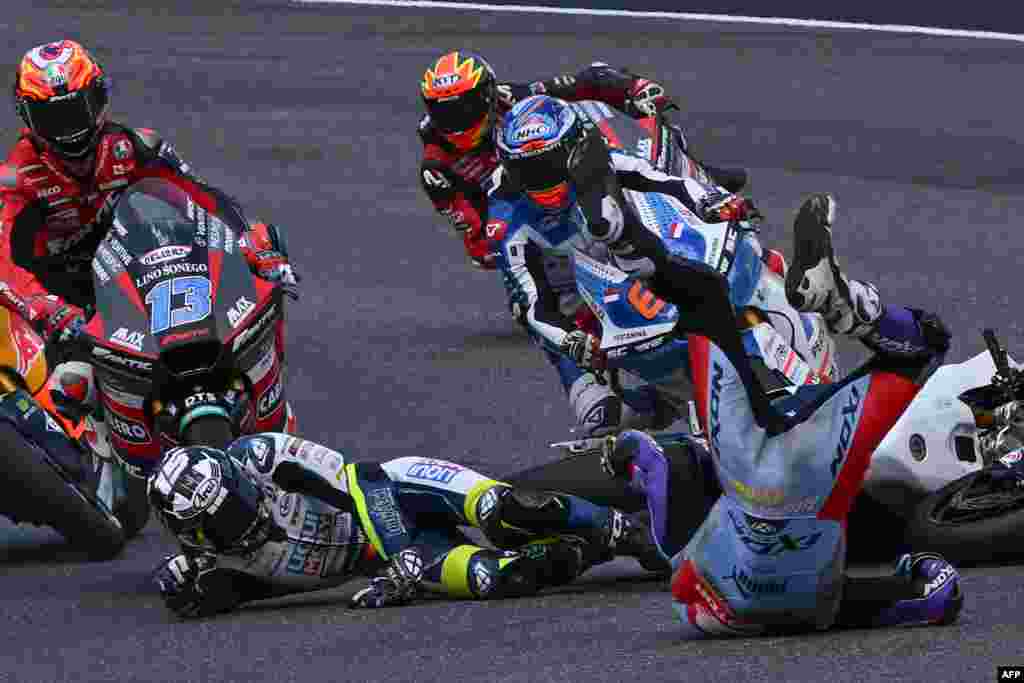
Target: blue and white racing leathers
[[535, 255]]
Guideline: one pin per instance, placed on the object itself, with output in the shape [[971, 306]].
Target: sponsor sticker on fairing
[[270, 400], [441, 472], [128, 430], [164, 254], [132, 339], [239, 310]]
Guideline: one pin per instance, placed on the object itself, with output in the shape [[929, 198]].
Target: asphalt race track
[[308, 114]]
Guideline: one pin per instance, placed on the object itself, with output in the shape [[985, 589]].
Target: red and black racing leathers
[[457, 184], [52, 221]]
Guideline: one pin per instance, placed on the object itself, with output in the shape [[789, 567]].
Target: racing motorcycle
[[186, 344], [973, 494], [47, 479], [654, 139]]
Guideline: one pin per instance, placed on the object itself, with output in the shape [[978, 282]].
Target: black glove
[[614, 460], [397, 584], [179, 580], [585, 350], [510, 93]]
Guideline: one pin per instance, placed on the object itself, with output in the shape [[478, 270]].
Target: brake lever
[[1006, 378], [581, 447]]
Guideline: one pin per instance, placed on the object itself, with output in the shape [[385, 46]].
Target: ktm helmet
[[61, 93], [460, 93]]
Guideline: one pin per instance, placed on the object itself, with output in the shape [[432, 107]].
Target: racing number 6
[[644, 301], [195, 307]]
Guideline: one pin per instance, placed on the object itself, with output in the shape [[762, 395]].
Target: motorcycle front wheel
[[37, 491], [973, 520]]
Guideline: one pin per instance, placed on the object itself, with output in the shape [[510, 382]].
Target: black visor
[[68, 121], [458, 114], [238, 515], [540, 172]]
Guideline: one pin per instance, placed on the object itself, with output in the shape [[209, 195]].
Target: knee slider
[[598, 410]]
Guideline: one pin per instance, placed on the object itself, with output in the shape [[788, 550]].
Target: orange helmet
[[460, 92], [61, 93]]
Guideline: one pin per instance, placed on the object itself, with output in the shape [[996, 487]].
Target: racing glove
[[585, 350], [179, 580], [478, 248], [56, 320], [720, 207], [647, 98], [614, 461], [397, 584], [267, 254], [510, 93]]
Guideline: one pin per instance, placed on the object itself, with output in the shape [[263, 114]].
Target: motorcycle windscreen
[[169, 273]]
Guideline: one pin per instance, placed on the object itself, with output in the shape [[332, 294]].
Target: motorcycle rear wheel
[[972, 520], [40, 493]]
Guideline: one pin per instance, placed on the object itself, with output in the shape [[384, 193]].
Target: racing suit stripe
[[888, 395], [700, 352], [455, 571], [524, 261], [545, 314], [470, 505], [359, 500]]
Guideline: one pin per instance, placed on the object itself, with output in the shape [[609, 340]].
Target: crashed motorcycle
[[967, 487], [185, 342], [48, 477]]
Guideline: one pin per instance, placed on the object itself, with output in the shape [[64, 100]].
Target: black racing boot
[[816, 284]]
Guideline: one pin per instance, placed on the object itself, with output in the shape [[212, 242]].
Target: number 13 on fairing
[[195, 307]]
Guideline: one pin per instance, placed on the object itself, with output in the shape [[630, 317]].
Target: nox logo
[[849, 411], [717, 372]]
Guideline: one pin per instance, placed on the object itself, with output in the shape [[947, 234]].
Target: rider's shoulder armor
[[22, 161], [147, 137]]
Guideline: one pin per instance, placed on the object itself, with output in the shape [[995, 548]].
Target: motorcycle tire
[[212, 430], [969, 530], [77, 516]]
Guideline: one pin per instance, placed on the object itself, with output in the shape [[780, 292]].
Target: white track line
[[686, 16]]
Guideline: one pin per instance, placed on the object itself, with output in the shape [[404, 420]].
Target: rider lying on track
[[276, 514], [770, 558], [556, 171]]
